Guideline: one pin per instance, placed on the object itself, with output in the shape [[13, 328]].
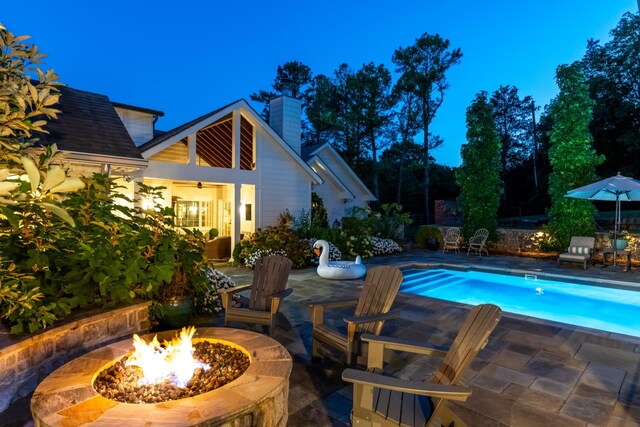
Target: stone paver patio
[[532, 373]]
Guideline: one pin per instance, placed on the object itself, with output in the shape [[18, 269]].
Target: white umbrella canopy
[[616, 189]]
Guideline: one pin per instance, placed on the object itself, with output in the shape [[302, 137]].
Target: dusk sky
[[190, 57]]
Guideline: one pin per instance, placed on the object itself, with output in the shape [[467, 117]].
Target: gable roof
[[310, 153], [172, 136], [88, 123]]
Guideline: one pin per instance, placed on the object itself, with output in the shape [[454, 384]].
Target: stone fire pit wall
[[25, 361]]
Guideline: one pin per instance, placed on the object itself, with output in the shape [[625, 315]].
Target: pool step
[[420, 283]]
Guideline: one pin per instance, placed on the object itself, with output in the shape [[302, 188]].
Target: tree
[[292, 75], [406, 125], [479, 175], [423, 66], [572, 158], [374, 100], [613, 73]]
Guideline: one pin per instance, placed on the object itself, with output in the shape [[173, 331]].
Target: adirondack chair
[[385, 401], [477, 242], [371, 311], [267, 291], [452, 239]]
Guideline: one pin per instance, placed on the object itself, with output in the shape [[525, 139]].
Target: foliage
[[281, 237], [389, 223], [207, 300], [479, 175], [31, 185], [572, 157], [319, 216], [384, 246], [426, 233], [213, 233], [423, 66], [612, 71]]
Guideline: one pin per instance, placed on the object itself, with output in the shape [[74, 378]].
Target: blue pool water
[[613, 310]]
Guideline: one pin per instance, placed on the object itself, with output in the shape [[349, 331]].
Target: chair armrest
[[234, 290], [370, 319], [226, 294], [442, 391], [408, 346], [282, 294], [317, 309]]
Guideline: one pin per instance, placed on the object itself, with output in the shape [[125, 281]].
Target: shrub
[[280, 238], [425, 233], [384, 246], [207, 300]]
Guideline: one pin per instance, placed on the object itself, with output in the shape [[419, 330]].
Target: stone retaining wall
[[527, 243], [27, 361]]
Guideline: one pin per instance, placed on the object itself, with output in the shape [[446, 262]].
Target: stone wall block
[[117, 325], [69, 340], [95, 332], [42, 351]]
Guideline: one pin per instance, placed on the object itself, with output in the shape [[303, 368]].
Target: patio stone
[[552, 387], [534, 398], [626, 360], [626, 412], [511, 359], [603, 377], [553, 371], [589, 410], [508, 375]]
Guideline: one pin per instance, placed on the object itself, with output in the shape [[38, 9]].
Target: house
[[227, 169], [341, 189]]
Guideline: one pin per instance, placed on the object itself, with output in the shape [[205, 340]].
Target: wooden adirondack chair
[[267, 291], [380, 400], [372, 310]]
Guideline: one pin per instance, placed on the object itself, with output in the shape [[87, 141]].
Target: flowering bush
[[384, 246], [250, 260], [334, 252], [208, 301], [357, 245]]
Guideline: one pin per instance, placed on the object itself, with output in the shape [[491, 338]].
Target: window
[[193, 213]]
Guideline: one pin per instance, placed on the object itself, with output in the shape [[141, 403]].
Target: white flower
[[209, 302]]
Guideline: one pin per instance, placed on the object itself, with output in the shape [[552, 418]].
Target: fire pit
[[257, 397]]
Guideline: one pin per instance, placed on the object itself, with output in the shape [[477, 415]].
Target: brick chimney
[[284, 117]]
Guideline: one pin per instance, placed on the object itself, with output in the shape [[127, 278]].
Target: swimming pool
[[609, 309]]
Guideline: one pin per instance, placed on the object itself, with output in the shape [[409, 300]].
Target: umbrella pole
[[616, 224]]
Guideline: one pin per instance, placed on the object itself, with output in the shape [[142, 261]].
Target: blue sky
[[188, 58]]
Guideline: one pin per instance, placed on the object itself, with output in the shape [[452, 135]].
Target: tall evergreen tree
[[479, 175], [572, 157], [423, 66]]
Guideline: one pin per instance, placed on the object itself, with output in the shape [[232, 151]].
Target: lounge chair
[[477, 242], [380, 400], [218, 249], [270, 277], [580, 250], [371, 311], [452, 239]]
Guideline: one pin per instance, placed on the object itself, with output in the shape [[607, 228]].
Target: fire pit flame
[[171, 361]]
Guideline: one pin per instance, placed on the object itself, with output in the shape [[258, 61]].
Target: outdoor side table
[[609, 251]]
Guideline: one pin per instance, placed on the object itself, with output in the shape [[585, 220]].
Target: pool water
[[608, 309]]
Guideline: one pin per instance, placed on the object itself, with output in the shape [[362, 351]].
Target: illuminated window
[[193, 213]]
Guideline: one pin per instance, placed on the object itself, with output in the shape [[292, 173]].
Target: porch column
[[191, 144], [235, 221], [235, 150]]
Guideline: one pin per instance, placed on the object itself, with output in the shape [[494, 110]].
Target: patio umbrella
[[617, 188]]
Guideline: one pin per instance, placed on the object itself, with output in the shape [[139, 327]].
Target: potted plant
[[429, 237], [622, 240], [189, 278]]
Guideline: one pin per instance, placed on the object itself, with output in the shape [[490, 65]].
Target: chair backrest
[[480, 237], [582, 242], [452, 235], [270, 276], [471, 338], [378, 293]]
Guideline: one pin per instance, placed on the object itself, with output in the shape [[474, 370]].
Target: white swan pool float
[[340, 270]]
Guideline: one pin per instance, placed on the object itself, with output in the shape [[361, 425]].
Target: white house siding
[[138, 124], [334, 205], [283, 184], [339, 207]]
